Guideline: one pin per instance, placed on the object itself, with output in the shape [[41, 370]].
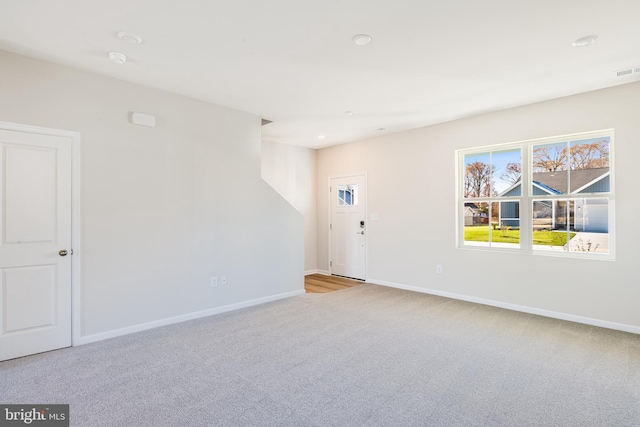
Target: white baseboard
[[182, 318], [323, 272], [524, 309]]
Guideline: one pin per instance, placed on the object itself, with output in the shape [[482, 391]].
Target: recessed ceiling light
[[117, 57], [320, 136], [350, 113], [585, 41], [129, 38], [362, 39]]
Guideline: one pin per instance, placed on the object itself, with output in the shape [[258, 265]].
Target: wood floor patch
[[319, 283]]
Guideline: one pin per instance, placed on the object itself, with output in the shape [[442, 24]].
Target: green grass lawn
[[543, 237]]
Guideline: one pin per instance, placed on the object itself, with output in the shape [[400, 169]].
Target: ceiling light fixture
[[117, 57], [129, 38], [362, 39], [585, 41], [320, 136], [350, 113]]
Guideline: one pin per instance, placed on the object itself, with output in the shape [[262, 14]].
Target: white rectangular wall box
[[143, 119]]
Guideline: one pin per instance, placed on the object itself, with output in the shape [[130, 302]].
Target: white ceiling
[[293, 61]]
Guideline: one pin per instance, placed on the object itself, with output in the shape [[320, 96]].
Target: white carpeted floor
[[365, 356]]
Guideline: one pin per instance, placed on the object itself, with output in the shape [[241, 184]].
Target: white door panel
[[348, 226], [35, 219], [22, 310], [30, 179]]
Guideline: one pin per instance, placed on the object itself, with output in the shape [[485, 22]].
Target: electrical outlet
[[439, 269], [223, 280], [214, 281]]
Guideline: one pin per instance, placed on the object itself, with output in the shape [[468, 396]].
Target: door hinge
[[330, 226], [330, 263]]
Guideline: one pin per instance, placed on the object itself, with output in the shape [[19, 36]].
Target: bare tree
[[549, 159], [579, 156], [590, 156], [512, 173], [477, 180]]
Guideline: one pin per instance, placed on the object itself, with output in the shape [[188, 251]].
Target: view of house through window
[[491, 188], [348, 195], [566, 203]]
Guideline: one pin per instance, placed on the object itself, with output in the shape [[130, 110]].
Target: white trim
[[75, 216], [521, 308], [76, 288], [183, 318], [323, 272]]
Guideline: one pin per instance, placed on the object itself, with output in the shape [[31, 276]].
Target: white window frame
[[527, 198]]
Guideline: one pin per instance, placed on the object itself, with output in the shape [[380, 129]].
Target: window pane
[[543, 215], [584, 223], [477, 175], [348, 195], [590, 166], [507, 172], [563, 214], [476, 224], [550, 169], [506, 229], [591, 222], [550, 225], [495, 224]]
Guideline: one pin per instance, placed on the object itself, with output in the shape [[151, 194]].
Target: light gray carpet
[[364, 356]]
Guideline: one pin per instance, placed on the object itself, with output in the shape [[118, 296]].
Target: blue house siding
[[539, 192], [514, 192], [510, 214], [602, 186]]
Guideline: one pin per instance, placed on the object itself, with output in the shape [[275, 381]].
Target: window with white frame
[[550, 196]]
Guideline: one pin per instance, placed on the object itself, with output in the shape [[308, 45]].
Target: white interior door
[[35, 218], [348, 226]]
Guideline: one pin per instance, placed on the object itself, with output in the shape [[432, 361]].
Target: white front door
[[348, 230], [35, 219]]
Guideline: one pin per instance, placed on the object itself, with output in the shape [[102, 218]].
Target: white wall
[[162, 209], [411, 185], [291, 171]]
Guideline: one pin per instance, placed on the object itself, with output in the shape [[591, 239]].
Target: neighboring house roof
[[580, 178], [556, 182]]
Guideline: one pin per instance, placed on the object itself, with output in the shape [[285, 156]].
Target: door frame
[[76, 330], [366, 215]]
